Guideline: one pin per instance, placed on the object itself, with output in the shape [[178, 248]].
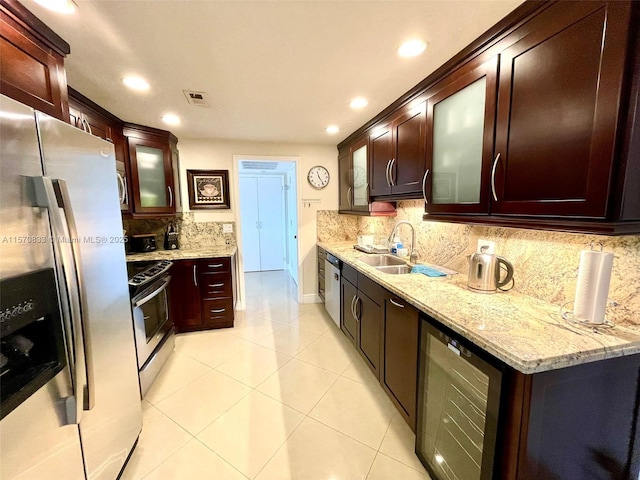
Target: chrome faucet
[[413, 258]]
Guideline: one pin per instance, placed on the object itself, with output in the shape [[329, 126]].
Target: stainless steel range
[[152, 324]]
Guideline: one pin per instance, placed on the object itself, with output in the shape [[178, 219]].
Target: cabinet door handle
[[387, 173], [216, 285], [88, 130], [358, 301], [493, 177], [170, 195], [219, 310], [126, 193], [353, 308], [393, 182], [396, 303], [195, 280], [424, 186], [349, 197]]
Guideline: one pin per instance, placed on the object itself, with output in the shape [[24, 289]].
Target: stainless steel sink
[[395, 269], [381, 260]]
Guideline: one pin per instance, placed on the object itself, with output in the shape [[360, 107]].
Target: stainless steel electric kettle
[[484, 272]]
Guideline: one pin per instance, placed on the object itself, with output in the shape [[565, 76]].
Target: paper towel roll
[[592, 289]]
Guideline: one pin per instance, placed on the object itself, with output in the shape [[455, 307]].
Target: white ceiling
[[276, 71]]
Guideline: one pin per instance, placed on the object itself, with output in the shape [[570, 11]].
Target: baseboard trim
[[312, 298]]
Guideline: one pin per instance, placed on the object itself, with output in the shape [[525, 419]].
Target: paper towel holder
[[599, 244], [568, 316]]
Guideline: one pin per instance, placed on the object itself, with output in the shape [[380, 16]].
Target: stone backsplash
[[545, 263], [191, 234]]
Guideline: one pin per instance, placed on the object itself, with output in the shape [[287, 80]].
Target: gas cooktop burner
[[150, 274]]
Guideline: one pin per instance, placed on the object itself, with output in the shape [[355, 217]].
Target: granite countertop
[[525, 333], [183, 254]]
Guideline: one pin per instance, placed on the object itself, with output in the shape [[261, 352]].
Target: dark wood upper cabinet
[[558, 108], [397, 156], [409, 143], [32, 61], [381, 154], [354, 189], [93, 119], [152, 170], [344, 179], [460, 134], [561, 125]]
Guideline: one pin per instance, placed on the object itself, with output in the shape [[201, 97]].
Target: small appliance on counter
[[484, 272], [142, 243], [171, 238]]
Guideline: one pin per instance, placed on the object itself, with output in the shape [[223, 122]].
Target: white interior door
[[271, 222], [292, 224], [250, 219]]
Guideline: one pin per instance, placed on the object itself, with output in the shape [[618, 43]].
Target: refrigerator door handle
[[62, 192], [45, 196]]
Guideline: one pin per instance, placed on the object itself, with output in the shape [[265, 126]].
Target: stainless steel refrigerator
[[70, 393]]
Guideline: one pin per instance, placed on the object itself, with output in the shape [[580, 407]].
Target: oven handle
[[146, 298]]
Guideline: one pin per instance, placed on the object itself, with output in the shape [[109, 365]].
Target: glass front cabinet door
[[460, 127], [152, 176], [360, 182]]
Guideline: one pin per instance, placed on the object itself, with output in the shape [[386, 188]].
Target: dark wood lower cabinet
[[203, 293], [322, 256], [361, 316], [348, 323], [572, 423], [399, 374]]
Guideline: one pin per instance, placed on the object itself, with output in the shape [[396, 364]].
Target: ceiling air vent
[[199, 99]]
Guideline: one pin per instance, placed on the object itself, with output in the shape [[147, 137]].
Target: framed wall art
[[208, 189]]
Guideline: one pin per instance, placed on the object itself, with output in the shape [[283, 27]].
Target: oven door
[[151, 320]]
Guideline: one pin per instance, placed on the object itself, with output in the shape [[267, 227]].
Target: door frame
[[235, 197]]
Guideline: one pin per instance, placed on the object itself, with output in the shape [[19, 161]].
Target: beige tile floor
[[282, 395]]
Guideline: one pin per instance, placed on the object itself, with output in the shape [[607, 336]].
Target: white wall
[[218, 155]]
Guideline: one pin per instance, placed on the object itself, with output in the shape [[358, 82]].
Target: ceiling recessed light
[[411, 48], [136, 83], [331, 129], [171, 119], [60, 6], [359, 103]]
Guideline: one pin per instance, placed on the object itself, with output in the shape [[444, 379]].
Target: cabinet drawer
[[218, 312], [371, 288], [215, 265], [350, 273], [216, 285]]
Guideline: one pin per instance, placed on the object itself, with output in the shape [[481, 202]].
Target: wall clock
[[318, 177]]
